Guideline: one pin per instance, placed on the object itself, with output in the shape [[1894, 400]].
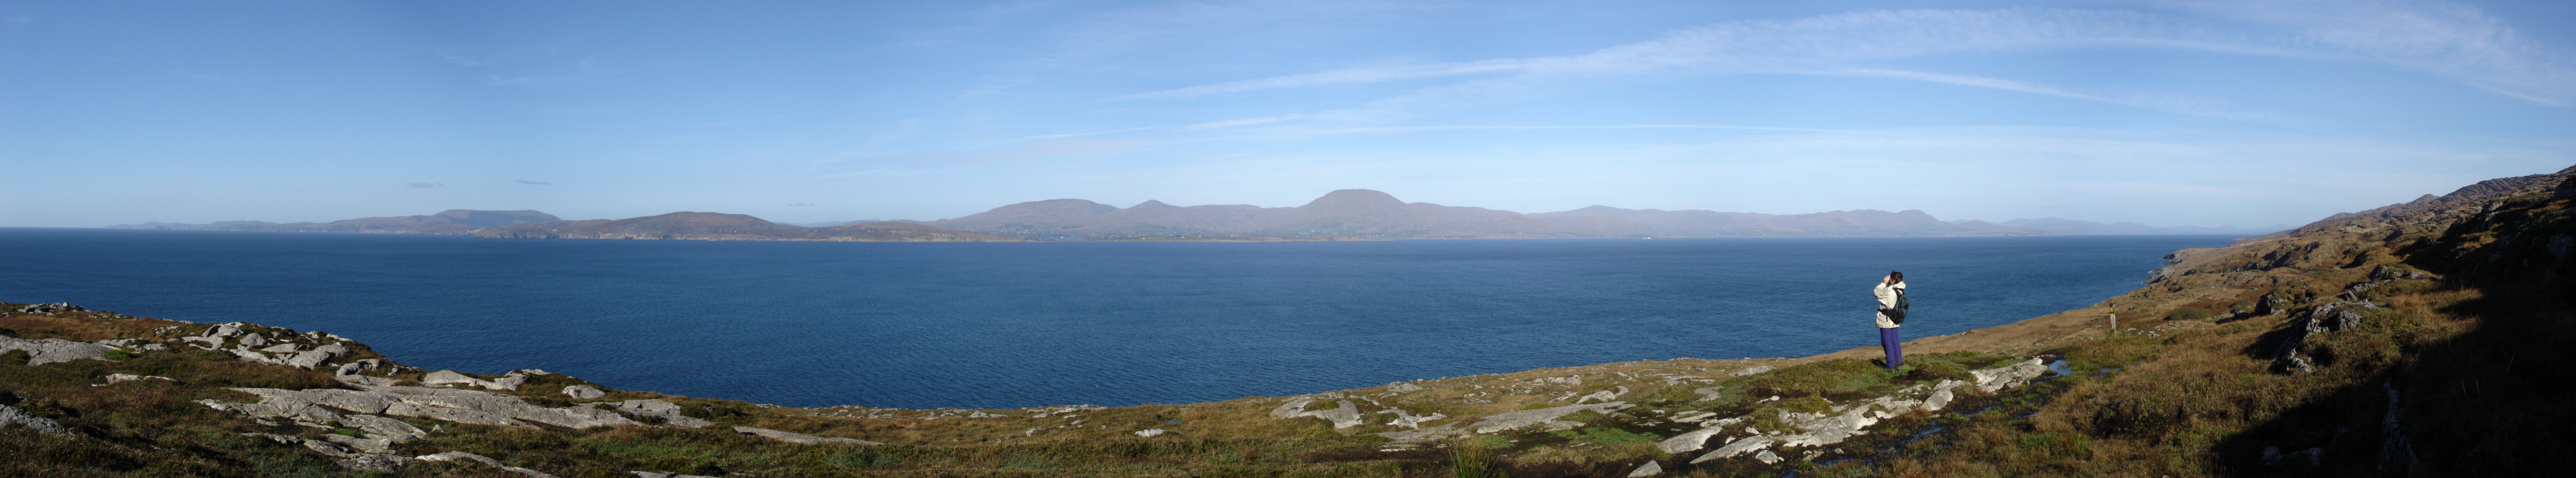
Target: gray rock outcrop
[[2320, 320], [13, 417], [2009, 376], [506, 382], [49, 309], [667, 411], [583, 391], [1545, 416], [385, 463], [1843, 421], [462, 406], [116, 378], [802, 439], [40, 352], [1345, 417], [1409, 420], [458, 455], [1651, 468]]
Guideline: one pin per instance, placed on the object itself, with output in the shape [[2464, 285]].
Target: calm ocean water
[[1018, 325]]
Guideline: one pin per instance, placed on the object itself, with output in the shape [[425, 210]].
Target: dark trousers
[[1895, 348]]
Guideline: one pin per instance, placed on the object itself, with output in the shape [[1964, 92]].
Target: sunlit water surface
[[1018, 325]]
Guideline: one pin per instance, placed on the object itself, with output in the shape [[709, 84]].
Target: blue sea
[[1020, 325]]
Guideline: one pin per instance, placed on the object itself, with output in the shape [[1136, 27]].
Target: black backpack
[[1896, 314]]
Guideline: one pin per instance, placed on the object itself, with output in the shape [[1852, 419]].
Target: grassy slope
[[2471, 352]]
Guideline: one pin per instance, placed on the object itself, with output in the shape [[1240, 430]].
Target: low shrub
[[2187, 313]]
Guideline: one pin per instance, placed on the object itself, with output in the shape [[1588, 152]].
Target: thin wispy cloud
[[454, 58], [2174, 102], [587, 68], [1193, 127], [2455, 42], [540, 183], [1021, 151]]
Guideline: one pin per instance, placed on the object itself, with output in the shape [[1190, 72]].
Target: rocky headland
[[2409, 340]]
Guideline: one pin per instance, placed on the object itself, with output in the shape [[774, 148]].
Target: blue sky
[[2166, 113]]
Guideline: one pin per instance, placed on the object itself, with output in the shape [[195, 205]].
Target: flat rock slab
[[40, 352], [462, 406], [1348, 415], [1512, 420]]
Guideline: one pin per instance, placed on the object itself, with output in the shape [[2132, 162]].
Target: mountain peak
[[1354, 199], [1050, 207]]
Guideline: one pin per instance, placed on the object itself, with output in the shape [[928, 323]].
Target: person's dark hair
[[1899, 276]]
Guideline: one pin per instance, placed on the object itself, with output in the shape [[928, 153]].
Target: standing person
[[1890, 291]]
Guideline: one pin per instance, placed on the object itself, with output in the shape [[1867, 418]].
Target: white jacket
[[1886, 294]]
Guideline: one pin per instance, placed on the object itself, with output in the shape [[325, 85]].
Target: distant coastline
[[1349, 214]]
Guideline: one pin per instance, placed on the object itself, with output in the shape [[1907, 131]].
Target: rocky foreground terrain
[[2418, 339]]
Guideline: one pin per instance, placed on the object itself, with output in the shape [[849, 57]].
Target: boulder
[[506, 382], [669, 412], [253, 340], [1750, 371], [804, 439], [1151, 432], [583, 391], [13, 417], [283, 348], [444, 377], [310, 358]]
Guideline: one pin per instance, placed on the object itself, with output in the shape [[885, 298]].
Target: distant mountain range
[[1373, 214], [706, 226], [1348, 213], [452, 221], [709, 226]]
